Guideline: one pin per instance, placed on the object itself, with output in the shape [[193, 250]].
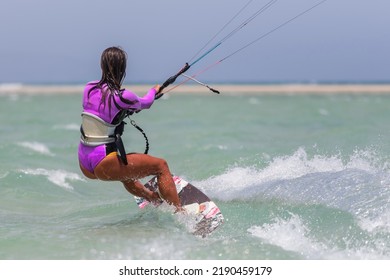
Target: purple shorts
[[90, 157]]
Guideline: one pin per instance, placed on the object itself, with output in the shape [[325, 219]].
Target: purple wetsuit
[[90, 157]]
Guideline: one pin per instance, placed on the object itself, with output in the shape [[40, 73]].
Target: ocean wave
[[57, 177], [3, 174], [359, 185], [71, 126], [36, 147], [291, 234], [378, 224]]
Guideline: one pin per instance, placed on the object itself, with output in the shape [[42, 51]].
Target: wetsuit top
[[91, 156], [127, 101]]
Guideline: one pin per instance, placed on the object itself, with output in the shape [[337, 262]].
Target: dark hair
[[113, 64]]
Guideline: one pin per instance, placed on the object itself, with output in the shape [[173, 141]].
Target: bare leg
[[138, 189], [139, 166]]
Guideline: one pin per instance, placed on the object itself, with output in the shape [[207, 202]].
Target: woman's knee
[[162, 165]]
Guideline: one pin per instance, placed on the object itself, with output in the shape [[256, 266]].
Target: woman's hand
[[157, 88], [158, 93]]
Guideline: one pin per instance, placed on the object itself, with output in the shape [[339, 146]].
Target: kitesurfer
[[101, 152]]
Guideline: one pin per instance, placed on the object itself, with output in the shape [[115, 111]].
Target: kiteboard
[[206, 214]]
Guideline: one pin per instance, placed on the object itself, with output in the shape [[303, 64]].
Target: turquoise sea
[[296, 177]]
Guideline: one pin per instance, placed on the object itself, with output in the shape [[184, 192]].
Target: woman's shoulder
[[91, 83], [90, 86]]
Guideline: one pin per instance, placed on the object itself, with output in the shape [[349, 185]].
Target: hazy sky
[[49, 41]]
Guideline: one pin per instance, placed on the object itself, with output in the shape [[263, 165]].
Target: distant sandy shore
[[288, 89]]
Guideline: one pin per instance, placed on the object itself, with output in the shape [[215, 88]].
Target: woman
[[101, 153]]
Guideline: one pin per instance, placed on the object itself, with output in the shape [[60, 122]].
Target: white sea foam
[[380, 223], [3, 174], [58, 177], [287, 168], [36, 147], [358, 185], [323, 112], [293, 235], [231, 184], [254, 101], [71, 126]]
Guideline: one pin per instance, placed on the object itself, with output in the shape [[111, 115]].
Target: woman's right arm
[[136, 103]]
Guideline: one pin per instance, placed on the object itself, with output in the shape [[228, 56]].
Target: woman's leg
[[138, 189], [139, 166], [133, 187]]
